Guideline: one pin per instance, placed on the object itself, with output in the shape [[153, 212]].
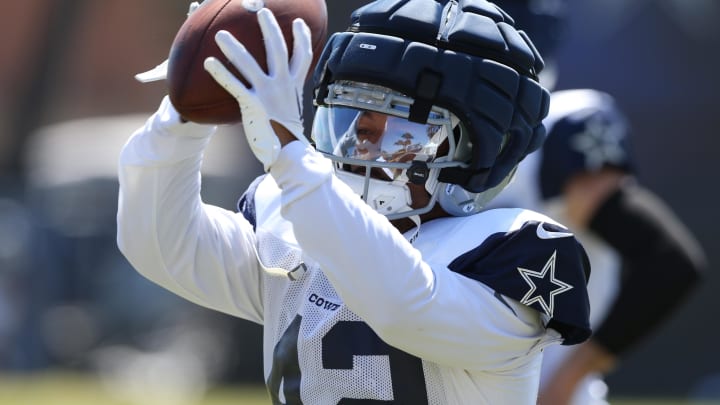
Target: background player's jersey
[[348, 316]]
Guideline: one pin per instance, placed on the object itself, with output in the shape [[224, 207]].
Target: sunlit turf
[[78, 389], [63, 388]]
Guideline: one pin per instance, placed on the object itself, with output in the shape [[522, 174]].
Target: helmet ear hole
[[457, 138], [444, 147], [463, 144]]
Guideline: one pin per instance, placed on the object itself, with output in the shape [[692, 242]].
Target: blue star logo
[[548, 285]]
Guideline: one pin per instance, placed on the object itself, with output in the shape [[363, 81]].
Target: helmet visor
[[351, 134]]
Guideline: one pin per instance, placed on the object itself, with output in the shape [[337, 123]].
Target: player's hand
[[275, 97]]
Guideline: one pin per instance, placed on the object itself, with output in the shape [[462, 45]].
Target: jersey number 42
[[343, 341]]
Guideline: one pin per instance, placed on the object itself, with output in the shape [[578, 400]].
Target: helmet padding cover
[[465, 56]]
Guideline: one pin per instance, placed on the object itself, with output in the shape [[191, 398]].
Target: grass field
[[70, 389]]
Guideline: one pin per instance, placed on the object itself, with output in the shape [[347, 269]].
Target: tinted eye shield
[[362, 125]]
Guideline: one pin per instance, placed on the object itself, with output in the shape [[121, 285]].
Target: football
[[192, 91]]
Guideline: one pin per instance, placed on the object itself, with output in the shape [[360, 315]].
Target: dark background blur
[[659, 59], [69, 101]]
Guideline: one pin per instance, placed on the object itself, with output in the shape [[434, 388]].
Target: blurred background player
[[644, 260]]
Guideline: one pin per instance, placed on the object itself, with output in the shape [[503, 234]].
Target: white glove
[[276, 96]]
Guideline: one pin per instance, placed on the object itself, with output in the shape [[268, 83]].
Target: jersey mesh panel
[[368, 372]]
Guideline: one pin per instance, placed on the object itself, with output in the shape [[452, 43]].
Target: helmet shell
[[465, 56], [544, 21]]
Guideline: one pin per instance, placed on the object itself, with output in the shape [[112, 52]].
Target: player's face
[[372, 136], [378, 148], [369, 129], [374, 149]]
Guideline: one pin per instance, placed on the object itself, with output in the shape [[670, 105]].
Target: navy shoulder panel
[[246, 203], [541, 265]]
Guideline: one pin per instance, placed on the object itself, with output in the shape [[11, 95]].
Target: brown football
[[193, 92]]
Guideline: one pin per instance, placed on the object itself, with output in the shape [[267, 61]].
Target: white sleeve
[[434, 314], [200, 252]]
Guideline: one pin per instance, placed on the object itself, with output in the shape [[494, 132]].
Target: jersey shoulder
[[533, 259]]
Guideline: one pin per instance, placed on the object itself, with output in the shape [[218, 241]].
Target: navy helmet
[[460, 71]]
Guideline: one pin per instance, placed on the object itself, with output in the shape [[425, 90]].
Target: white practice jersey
[[353, 313]]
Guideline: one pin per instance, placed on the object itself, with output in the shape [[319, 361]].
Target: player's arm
[[655, 247], [382, 278], [657, 251], [428, 311], [200, 252]]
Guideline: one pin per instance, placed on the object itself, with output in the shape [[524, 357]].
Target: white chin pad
[[383, 196]]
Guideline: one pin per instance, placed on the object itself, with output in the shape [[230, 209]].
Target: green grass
[[76, 389]]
